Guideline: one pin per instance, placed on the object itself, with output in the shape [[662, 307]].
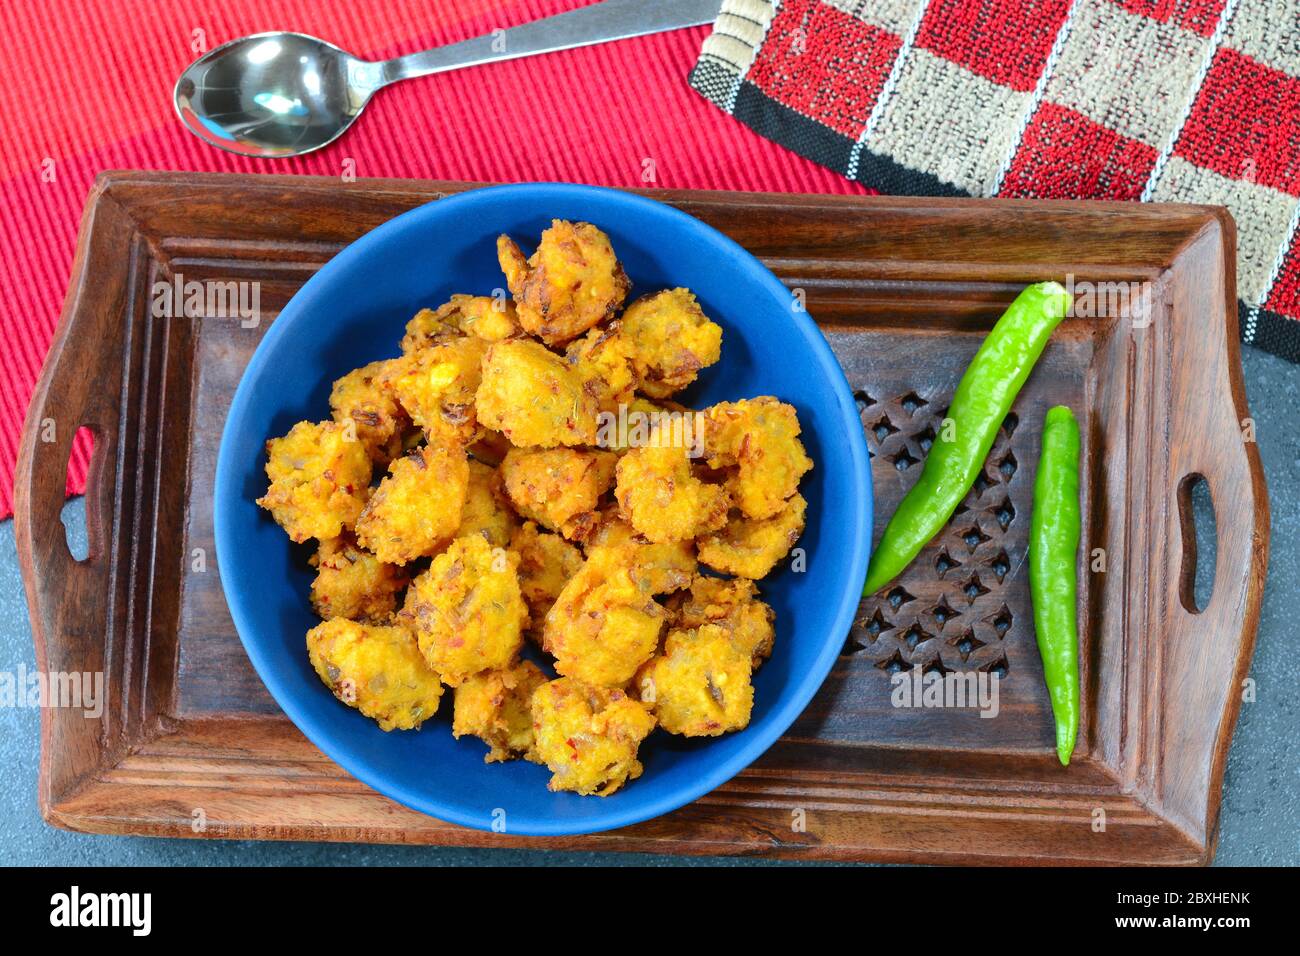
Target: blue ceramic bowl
[[353, 311]]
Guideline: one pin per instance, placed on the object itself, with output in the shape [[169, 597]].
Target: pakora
[[570, 283], [378, 670], [534, 398], [700, 685], [669, 339], [466, 610], [750, 547], [588, 737], [353, 583], [525, 471], [496, 707], [417, 508], [320, 477]]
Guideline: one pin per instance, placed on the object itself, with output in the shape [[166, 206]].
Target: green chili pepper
[[1053, 570], [981, 402]]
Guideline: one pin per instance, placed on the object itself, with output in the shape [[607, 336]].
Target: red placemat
[[618, 115]]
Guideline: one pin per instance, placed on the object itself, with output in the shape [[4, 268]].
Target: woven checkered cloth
[[1154, 100]]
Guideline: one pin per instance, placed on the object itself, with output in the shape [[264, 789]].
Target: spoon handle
[[598, 23]]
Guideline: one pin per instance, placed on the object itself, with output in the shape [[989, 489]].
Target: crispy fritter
[[603, 360], [602, 627], [466, 610], [486, 512], [732, 604], [320, 477], [482, 316], [533, 397], [759, 437], [351, 582], [570, 283], [750, 547], [377, 418], [546, 563], [588, 737], [436, 385], [656, 568], [377, 670], [700, 685], [662, 498], [669, 339], [417, 508], [496, 707], [559, 488]]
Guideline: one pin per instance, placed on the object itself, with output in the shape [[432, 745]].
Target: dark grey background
[[1261, 803]]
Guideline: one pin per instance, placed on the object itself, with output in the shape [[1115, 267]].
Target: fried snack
[[759, 437], [572, 281], [351, 582], [496, 707], [602, 627], [378, 421], [670, 339], [436, 385], [662, 498], [588, 737], [466, 610], [482, 316], [416, 510], [733, 605], [656, 568], [559, 488], [534, 398], [319, 480], [603, 360], [700, 685], [546, 563], [377, 670], [751, 548], [485, 512]]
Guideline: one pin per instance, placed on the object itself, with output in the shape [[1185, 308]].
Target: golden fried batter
[[732, 604], [417, 508], [319, 476], [559, 488], [602, 627], [656, 568], [482, 316], [588, 737], [760, 437], [571, 282], [378, 420], [700, 685], [466, 610], [533, 397], [546, 563], [662, 498], [751, 547], [436, 385], [496, 707], [670, 339], [377, 670], [353, 583], [603, 360], [486, 512]]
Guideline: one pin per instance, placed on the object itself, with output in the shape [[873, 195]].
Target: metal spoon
[[284, 94]]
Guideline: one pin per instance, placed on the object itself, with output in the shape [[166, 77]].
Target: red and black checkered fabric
[[1153, 100]]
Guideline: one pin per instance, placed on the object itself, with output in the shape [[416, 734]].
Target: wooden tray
[[191, 743]]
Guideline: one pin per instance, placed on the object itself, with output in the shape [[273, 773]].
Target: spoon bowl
[[274, 94]]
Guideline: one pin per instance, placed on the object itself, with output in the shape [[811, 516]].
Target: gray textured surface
[[1261, 805]]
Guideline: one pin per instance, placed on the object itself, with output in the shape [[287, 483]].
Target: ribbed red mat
[[593, 115]]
